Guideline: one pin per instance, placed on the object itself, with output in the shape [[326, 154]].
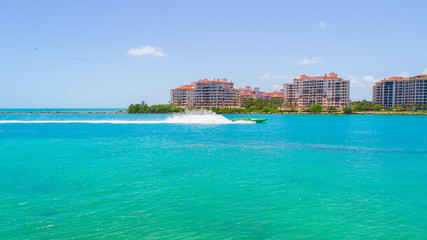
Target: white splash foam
[[198, 117], [79, 121], [189, 117]]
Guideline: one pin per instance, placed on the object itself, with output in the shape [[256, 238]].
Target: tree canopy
[[161, 108], [315, 108], [259, 104], [347, 110]]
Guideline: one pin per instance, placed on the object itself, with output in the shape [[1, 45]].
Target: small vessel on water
[[254, 120]]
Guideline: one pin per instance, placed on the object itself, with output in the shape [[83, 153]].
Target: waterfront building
[[216, 93], [183, 96], [396, 91], [328, 91], [248, 92], [273, 95]]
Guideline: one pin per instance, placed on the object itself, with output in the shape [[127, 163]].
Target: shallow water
[[292, 177]]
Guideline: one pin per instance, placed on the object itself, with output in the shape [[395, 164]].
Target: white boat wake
[[189, 117]]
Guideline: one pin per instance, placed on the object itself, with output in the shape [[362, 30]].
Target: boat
[[254, 120]]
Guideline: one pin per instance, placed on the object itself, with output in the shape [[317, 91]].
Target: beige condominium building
[[396, 91], [183, 96], [328, 91], [216, 93]]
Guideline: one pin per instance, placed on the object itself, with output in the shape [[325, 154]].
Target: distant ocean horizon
[[178, 176]]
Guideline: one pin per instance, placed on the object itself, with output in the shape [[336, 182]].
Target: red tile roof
[[331, 75], [223, 80], [274, 94]]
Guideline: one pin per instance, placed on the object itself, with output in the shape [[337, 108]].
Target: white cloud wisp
[[268, 75], [355, 81], [306, 60], [322, 25], [146, 50], [371, 79], [404, 74]]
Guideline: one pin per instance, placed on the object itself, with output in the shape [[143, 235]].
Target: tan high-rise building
[[183, 96], [396, 91], [328, 91], [217, 93], [273, 95], [248, 92]]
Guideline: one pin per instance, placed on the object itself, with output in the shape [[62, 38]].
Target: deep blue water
[[292, 177]]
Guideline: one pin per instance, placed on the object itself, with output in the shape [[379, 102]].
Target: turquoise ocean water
[[165, 176], [61, 109]]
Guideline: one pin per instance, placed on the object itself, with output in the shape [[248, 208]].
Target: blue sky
[[113, 53]]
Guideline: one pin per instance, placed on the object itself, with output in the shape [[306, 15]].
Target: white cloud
[[268, 75], [425, 71], [404, 74], [322, 25], [146, 50], [307, 60], [370, 79], [366, 81], [355, 81], [276, 87]]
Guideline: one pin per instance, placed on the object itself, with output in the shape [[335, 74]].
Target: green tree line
[[364, 105], [160, 108], [259, 104]]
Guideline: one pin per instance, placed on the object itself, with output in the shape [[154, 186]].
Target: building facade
[[183, 96], [217, 93], [328, 91], [248, 92], [273, 95], [396, 91], [255, 93]]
